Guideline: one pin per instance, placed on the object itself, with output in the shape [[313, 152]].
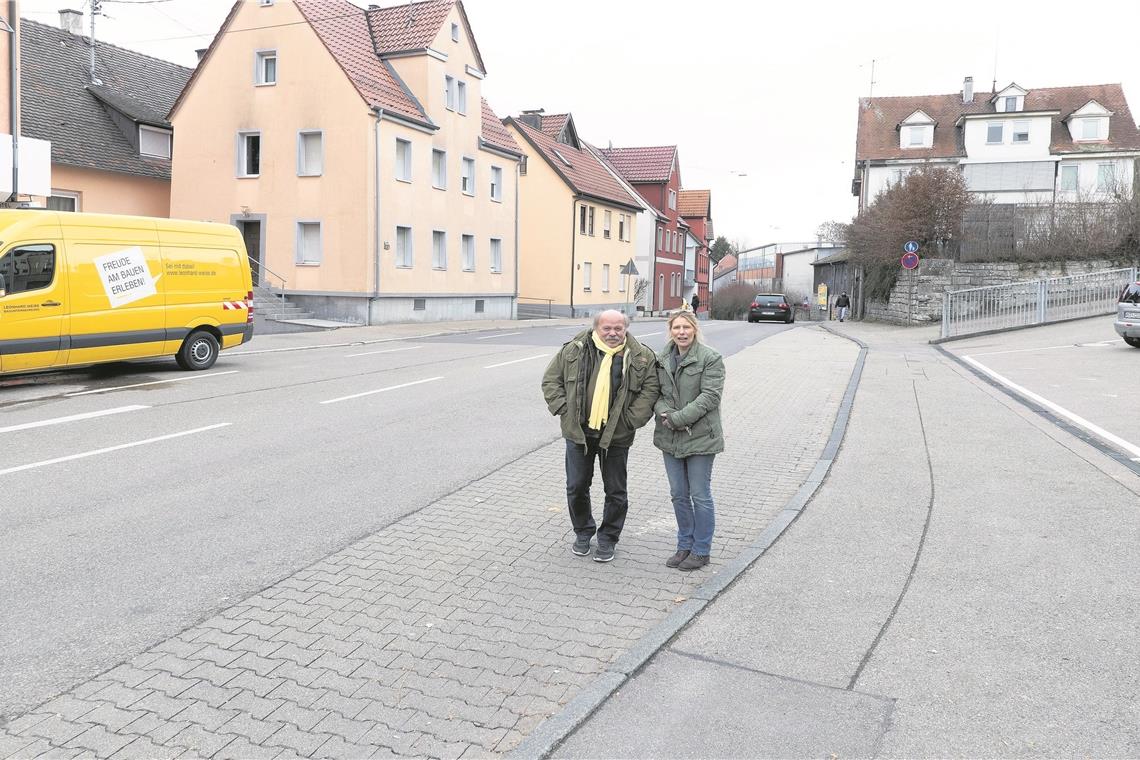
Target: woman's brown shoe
[[694, 561], [677, 558]]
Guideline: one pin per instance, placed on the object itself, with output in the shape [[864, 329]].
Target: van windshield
[[1131, 293]]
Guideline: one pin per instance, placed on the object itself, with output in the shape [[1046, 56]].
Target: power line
[[247, 29]]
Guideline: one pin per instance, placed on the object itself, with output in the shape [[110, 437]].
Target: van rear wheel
[[1134, 342], [199, 351]]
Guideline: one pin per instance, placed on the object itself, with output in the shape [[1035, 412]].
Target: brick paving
[[457, 630]]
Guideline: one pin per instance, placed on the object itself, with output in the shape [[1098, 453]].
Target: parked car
[[1127, 322], [771, 306]]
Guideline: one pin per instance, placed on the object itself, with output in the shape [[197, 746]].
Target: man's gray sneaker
[[694, 562], [581, 547], [604, 552], [677, 558]]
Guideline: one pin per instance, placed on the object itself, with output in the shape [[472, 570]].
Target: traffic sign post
[[909, 261], [628, 269], [911, 246]]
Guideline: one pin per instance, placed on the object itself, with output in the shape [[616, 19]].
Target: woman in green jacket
[[688, 432]]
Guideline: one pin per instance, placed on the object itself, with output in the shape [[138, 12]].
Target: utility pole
[[96, 9]]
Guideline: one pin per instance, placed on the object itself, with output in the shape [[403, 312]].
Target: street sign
[[629, 268], [909, 260], [911, 246]]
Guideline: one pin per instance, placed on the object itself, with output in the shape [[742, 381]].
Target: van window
[[1130, 294], [28, 267]]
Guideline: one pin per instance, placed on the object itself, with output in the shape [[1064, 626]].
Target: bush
[[732, 301]]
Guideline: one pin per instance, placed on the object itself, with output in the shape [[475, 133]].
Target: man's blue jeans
[[690, 485]]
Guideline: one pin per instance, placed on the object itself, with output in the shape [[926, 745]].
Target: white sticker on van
[[126, 276]]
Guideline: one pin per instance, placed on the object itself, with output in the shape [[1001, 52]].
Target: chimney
[[200, 52], [968, 90], [533, 118], [71, 21]]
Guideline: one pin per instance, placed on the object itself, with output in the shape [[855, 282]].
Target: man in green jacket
[[603, 385]]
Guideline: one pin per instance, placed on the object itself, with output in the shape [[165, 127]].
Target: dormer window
[[1090, 129], [916, 137], [1010, 103], [916, 131], [154, 142]]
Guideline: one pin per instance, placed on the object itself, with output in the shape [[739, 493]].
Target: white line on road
[[1077, 420], [649, 335], [109, 449], [382, 390], [515, 361], [153, 382], [72, 418], [1046, 348], [500, 335], [385, 351]]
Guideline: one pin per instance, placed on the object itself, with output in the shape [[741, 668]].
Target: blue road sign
[[911, 246], [909, 261]]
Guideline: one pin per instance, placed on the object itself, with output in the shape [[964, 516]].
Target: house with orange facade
[[695, 208], [371, 180]]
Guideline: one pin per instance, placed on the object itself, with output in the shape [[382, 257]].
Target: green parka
[[565, 382], [691, 398]]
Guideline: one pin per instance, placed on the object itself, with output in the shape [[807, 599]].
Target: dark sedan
[[771, 306]]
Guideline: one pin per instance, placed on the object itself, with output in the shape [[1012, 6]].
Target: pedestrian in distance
[[689, 435], [842, 305], [603, 385], [696, 304]]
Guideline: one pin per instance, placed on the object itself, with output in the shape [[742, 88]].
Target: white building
[[1015, 145]]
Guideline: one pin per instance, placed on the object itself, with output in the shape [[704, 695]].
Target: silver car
[[1127, 322]]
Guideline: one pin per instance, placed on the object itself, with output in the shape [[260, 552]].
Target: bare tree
[[640, 288]]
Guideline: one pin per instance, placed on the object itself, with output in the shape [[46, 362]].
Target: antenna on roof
[[871, 94], [997, 37], [96, 9], [411, 13]]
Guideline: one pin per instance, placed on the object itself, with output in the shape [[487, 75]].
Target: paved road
[[178, 494]]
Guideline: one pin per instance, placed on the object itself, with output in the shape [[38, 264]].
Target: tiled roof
[[878, 137], [693, 203], [552, 124], [494, 133], [343, 28], [408, 26], [643, 164], [61, 105], [581, 170]]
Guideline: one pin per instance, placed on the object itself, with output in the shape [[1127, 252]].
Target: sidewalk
[[963, 584], [460, 629]]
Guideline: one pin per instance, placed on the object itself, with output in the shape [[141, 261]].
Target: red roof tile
[[693, 203], [581, 170], [652, 164], [343, 28], [877, 137], [495, 133], [408, 26], [552, 124]]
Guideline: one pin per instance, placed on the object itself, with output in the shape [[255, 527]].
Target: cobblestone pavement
[[457, 630]]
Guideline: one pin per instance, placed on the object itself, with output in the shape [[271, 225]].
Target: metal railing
[[1033, 302], [538, 308], [281, 303]]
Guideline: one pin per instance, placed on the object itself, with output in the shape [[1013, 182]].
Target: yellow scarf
[[600, 404]]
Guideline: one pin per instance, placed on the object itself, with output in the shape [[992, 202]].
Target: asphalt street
[[143, 499]]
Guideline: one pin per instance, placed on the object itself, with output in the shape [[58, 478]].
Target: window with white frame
[[582, 219], [439, 169], [438, 249], [1070, 177], [154, 142], [310, 153], [248, 154], [1010, 103], [63, 200], [1106, 177], [587, 272], [461, 96], [265, 67], [467, 179], [449, 92], [496, 183], [916, 137], [605, 278], [496, 255], [994, 132], [467, 245], [590, 222], [621, 282], [308, 244], [673, 199], [621, 226], [607, 221], [1090, 129], [403, 160], [660, 233], [455, 32], [404, 247], [1020, 132]]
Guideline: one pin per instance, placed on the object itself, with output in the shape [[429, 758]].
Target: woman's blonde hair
[[689, 317]]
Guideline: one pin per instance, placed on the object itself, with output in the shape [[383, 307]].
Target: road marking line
[[500, 335], [1075, 419], [382, 390], [649, 335], [570, 327], [72, 418], [385, 351], [85, 454], [1046, 348], [503, 364], [154, 382]]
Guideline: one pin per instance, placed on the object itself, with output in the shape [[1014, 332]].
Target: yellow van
[[81, 289]]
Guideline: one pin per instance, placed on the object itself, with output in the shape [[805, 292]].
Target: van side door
[[34, 306]]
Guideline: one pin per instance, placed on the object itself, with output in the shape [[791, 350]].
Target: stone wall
[[917, 296]]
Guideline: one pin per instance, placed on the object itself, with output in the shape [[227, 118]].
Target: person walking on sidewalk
[[688, 432], [603, 385], [843, 305]]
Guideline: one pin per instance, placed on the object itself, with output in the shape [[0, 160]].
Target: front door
[[33, 307], [251, 233]]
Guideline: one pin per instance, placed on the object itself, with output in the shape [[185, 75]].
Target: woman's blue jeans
[[690, 485]]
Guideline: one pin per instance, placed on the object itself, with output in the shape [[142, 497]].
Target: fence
[[1034, 302], [535, 308]]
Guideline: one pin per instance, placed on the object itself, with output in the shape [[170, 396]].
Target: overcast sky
[[760, 98]]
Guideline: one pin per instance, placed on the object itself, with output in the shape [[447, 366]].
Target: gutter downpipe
[[515, 307], [13, 99], [379, 114], [573, 249]]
